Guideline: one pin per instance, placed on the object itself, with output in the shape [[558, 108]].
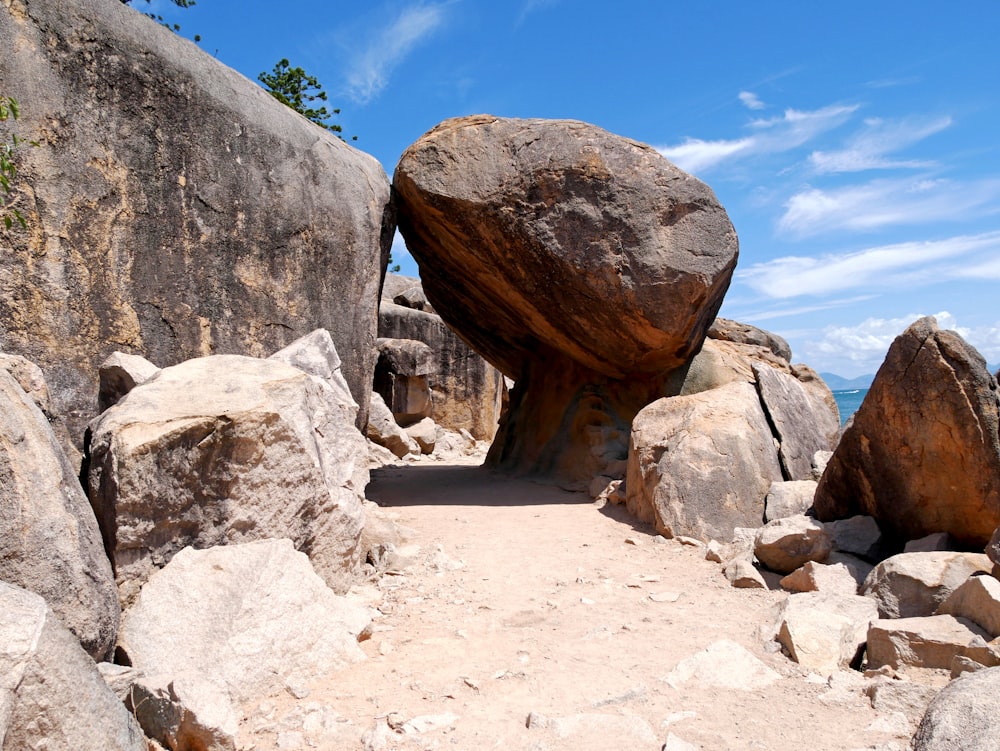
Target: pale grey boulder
[[185, 712], [247, 618], [402, 378], [930, 543], [823, 631], [701, 465], [965, 716], [425, 434], [977, 599], [228, 449], [927, 642], [911, 585], [52, 697], [788, 498], [803, 421], [858, 535], [119, 374], [316, 354], [726, 330], [190, 213], [383, 429], [784, 545], [50, 543], [833, 578]]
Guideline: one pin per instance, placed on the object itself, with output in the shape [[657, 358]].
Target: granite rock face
[[175, 208], [466, 392], [923, 452], [50, 543], [226, 449], [52, 697], [963, 717], [582, 265]]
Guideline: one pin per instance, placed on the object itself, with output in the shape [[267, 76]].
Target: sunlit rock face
[[583, 265]]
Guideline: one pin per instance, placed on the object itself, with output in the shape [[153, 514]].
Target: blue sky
[[854, 144]]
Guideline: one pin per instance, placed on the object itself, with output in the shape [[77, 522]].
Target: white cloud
[[530, 6], [880, 203], [864, 345], [894, 266], [751, 100], [771, 136], [868, 149], [369, 71]]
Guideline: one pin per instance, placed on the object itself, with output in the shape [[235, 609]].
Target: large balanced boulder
[[174, 208], [581, 264], [923, 452], [52, 697], [227, 449], [49, 539], [702, 465]]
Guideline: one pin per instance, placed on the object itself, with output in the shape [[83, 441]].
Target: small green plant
[[295, 88], [8, 169]]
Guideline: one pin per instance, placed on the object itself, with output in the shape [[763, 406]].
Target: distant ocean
[[848, 402]]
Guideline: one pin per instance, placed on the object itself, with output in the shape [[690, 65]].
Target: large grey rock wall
[[175, 209]]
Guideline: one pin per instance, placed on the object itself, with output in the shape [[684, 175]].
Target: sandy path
[[526, 599]]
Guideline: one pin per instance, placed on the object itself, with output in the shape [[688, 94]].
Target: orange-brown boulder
[[923, 453], [581, 264]]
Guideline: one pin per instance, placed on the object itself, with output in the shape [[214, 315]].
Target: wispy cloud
[[869, 148], [888, 266], [751, 101], [774, 135], [881, 203], [530, 6], [384, 48]]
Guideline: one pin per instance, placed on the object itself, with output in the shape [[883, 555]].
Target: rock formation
[[583, 265], [963, 717], [51, 695], [49, 540], [226, 449], [174, 208], [923, 452], [466, 392]]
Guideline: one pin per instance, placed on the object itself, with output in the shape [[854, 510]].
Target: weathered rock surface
[[923, 452], [50, 543], [119, 374], [256, 617], [316, 354], [227, 449], [963, 717], [402, 378], [910, 585], [993, 551], [189, 214], [52, 698], [425, 434], [977, 599], [385, 431], [185, 712], [788, 498], [822, 631], [725, 665], [857, 535], [784, 545], [723, 329], [582, 265], [803, 420], [926, 642], [466, 391], [833, 578], [701, 465]]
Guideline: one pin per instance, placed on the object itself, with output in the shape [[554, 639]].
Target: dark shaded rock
[[923, 452], [581, 264], [175, 208], [401, 378], [119, 374], [50, 543], [466, 391]]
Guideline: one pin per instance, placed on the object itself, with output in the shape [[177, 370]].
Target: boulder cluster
[[566, 312]]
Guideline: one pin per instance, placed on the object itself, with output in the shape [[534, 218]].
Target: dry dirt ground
[[512, 599]]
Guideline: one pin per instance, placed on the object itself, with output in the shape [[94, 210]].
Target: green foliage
[[8, 169], [294, 88], [172, 26]]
